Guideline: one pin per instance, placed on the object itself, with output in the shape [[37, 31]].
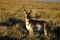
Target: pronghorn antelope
[[34, 25]]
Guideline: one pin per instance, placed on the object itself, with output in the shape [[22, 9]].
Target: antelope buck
[[34, 25]]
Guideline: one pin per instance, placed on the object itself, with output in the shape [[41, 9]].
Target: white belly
[[38, 27]]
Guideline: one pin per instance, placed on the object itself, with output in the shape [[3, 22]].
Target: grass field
[[48, 11]]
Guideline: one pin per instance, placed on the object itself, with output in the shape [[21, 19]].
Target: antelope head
[[28, 13]]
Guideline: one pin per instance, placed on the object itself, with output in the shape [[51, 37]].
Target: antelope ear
[[26, 12]]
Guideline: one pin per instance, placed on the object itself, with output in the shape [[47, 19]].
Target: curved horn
[[31, 10], [25, 9]]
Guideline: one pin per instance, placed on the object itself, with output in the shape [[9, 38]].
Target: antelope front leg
[[31, 33], [45, 29]]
